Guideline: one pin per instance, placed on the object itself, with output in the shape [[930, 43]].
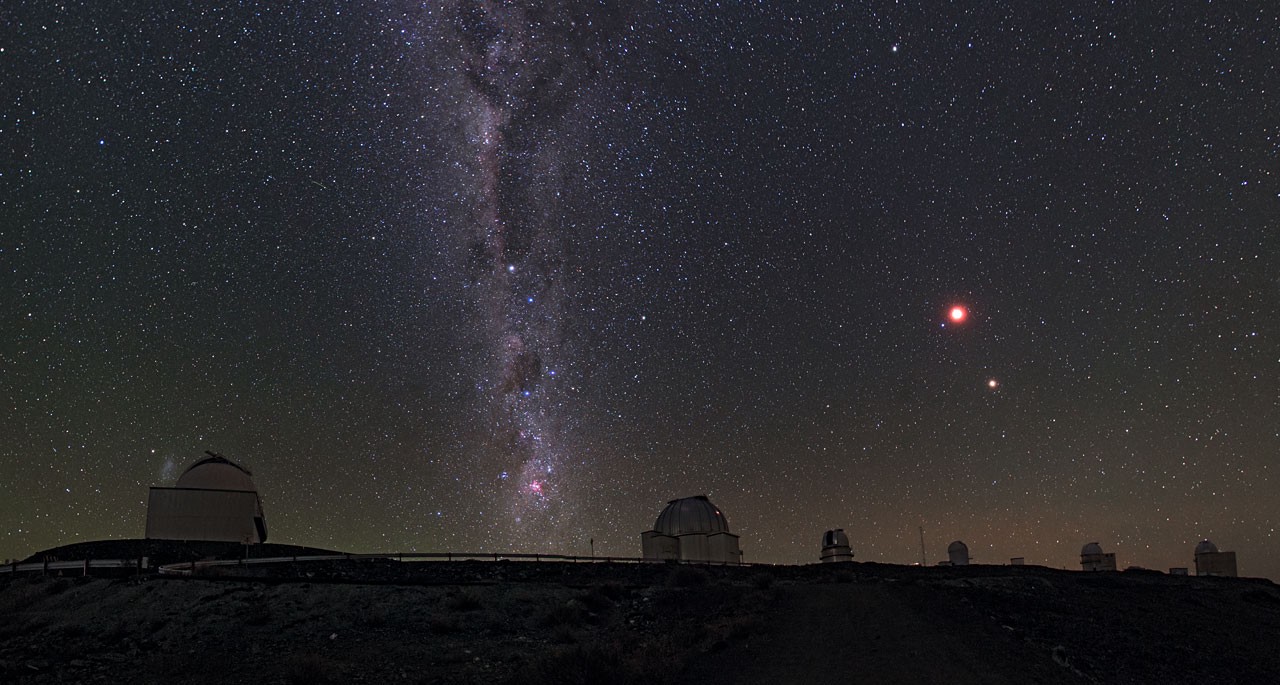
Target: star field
[[471, 276]]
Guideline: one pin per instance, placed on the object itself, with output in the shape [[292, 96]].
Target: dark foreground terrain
[[544, 622]]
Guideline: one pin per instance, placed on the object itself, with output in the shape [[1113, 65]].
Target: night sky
[[477, 276]]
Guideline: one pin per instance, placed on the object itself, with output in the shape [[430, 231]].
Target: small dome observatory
[[1092, 558], [958, 554], [214, 499], [835, 547], [691, 529], [1211, 562]]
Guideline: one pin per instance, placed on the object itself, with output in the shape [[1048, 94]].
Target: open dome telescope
[[691, 529], [214, 499], [835, 547]]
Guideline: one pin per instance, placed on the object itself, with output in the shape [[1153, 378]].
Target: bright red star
[[958, 314]]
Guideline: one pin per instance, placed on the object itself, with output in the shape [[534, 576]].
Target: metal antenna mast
[[922, 561]]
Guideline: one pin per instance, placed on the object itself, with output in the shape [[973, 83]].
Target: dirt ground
[[529, 622]]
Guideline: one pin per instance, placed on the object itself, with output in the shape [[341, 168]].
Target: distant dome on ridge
[[1091, 548], [216, 473], [696, 515], [215, 499], [1206, 547]]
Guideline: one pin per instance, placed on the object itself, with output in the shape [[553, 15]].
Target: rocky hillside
[[530, 622]]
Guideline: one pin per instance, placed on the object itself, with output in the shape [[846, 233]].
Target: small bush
[[596, 601], [564, 635], [116, 633], [258, 614], [762, 581], [584, 665], [308, 669], [571, 613], [742, 626], [71, 630], [57, 587], [687, 576], [373, 618], [463, 601], [613, 591], [442, 626]]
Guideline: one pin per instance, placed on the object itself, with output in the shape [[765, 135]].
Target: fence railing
[[192, 567], [186, 568], [83, 565]]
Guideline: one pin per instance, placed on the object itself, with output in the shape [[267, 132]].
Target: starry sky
[[473, 275]]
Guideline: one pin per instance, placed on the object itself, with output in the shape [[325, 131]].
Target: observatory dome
[[691, 515], [216, 473], [1091, 548], [1206, 547]]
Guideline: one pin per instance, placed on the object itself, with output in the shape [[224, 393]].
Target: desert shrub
[[442, 626], [462, 601], [116, 633], [613, 591], [57, 587], [258, 614], [70, 630], [571, 613], [589, 664], [564, 635], [308, 669], [842, 577], [687, 576], [762, 581], [373, 618], [596, 600], [740, 627]]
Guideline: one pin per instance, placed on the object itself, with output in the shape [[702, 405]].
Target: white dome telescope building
[[214, 499], [691, 529]]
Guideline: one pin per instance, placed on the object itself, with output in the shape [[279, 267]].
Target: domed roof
[[957, 546], [216, 472], [1091, 548], [691, 515], [835, 538], [1206, 547]]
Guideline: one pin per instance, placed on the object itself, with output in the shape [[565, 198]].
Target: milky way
[[526, 67]]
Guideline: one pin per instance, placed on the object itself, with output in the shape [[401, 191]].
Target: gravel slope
[[486, 622]]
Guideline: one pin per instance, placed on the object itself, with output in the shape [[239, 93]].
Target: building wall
[[1098, 562], [695, 547], [723, 547], [1216, 564], [659, 547], [219, 515], [713, 547], [836, 553]]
